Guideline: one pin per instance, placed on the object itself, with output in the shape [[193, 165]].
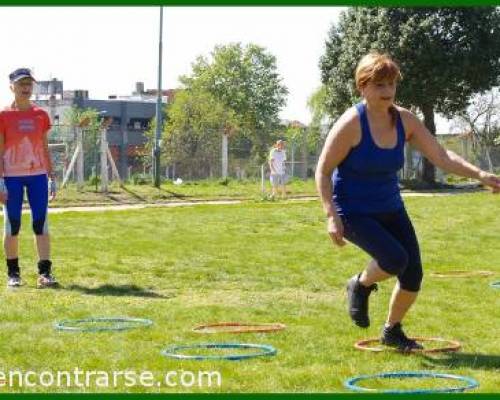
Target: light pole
[[156, 147]]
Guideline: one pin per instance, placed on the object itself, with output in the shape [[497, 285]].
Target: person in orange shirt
[[25, 164]]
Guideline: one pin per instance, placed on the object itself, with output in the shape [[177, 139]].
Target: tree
[[244, 79], [481, 122], [446, 55], [317, 105], [196, 124], [320, 118]]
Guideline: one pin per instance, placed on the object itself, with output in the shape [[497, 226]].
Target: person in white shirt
[[277, 158]]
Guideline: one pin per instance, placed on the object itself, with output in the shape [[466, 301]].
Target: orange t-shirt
[[23, 133]]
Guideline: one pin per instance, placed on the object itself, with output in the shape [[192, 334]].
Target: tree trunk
[[428, 169], [408, 168], [80, 171]]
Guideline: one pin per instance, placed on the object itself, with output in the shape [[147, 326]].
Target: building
[[131, 116]]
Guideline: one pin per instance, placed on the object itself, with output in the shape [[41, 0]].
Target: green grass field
[[252, 262], [168, 192]]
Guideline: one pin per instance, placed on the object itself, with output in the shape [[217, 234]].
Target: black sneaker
[[394, 336], [357, 298]]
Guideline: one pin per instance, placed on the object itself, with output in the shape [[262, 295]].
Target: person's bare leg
[[401, 301], [43, 246], [373, 273], [10, 245], [392, 334], [283, 191]]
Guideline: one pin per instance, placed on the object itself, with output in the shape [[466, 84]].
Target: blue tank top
[[366, 181]]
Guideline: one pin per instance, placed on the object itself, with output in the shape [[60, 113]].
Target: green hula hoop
[[117, 324], [495, 285], [469, 383], [265, 350]]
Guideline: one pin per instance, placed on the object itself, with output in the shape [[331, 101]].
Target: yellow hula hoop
[[460, 274]]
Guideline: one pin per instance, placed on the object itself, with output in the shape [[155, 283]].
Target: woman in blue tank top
[[357, 181]]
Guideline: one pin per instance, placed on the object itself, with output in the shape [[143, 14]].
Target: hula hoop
[[449, 345], [238, 327], [495, 285], [470, 382], [173, 351], [120, 324], [460, 274]]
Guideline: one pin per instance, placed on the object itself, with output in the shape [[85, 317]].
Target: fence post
[[104, 161], [263, 187], [79, 160]]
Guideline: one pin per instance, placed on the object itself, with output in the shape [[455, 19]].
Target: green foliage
[[194, 129], [446, 55], [140, 179], [317, 105], [243, 79]]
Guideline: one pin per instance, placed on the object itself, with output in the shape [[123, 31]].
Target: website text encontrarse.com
[[79, 378]]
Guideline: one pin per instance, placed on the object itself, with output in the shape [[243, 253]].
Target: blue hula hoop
[[470, 382], [265, 350], [495, 285], [121, 324]]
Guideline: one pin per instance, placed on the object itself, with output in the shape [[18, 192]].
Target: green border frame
[[250, 396], [370, 3]]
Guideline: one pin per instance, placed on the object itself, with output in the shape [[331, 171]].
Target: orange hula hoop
[[450, 345], [239, 327]]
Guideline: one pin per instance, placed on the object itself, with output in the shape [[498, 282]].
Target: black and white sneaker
[[46, 281], [395, 337], [14, 280], [357, 298]]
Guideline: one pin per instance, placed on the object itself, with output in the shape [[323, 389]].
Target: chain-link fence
[[487, 159], [63, 143], [205, 161]]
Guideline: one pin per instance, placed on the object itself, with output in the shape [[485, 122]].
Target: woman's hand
[[490, 180], [335, 229]]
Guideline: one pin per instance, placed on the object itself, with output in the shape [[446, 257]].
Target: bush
[[140, 179]]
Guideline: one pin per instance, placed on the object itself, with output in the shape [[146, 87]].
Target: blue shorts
[[391, 240], [38, 198], [278, 179]]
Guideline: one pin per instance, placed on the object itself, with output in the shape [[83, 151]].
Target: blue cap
[[21, 73]]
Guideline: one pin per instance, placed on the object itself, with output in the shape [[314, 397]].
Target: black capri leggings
[[390, 239]]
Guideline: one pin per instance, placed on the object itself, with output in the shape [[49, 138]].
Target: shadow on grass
[[141, 198], [461, 360], [437, 187], [118, 290]]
